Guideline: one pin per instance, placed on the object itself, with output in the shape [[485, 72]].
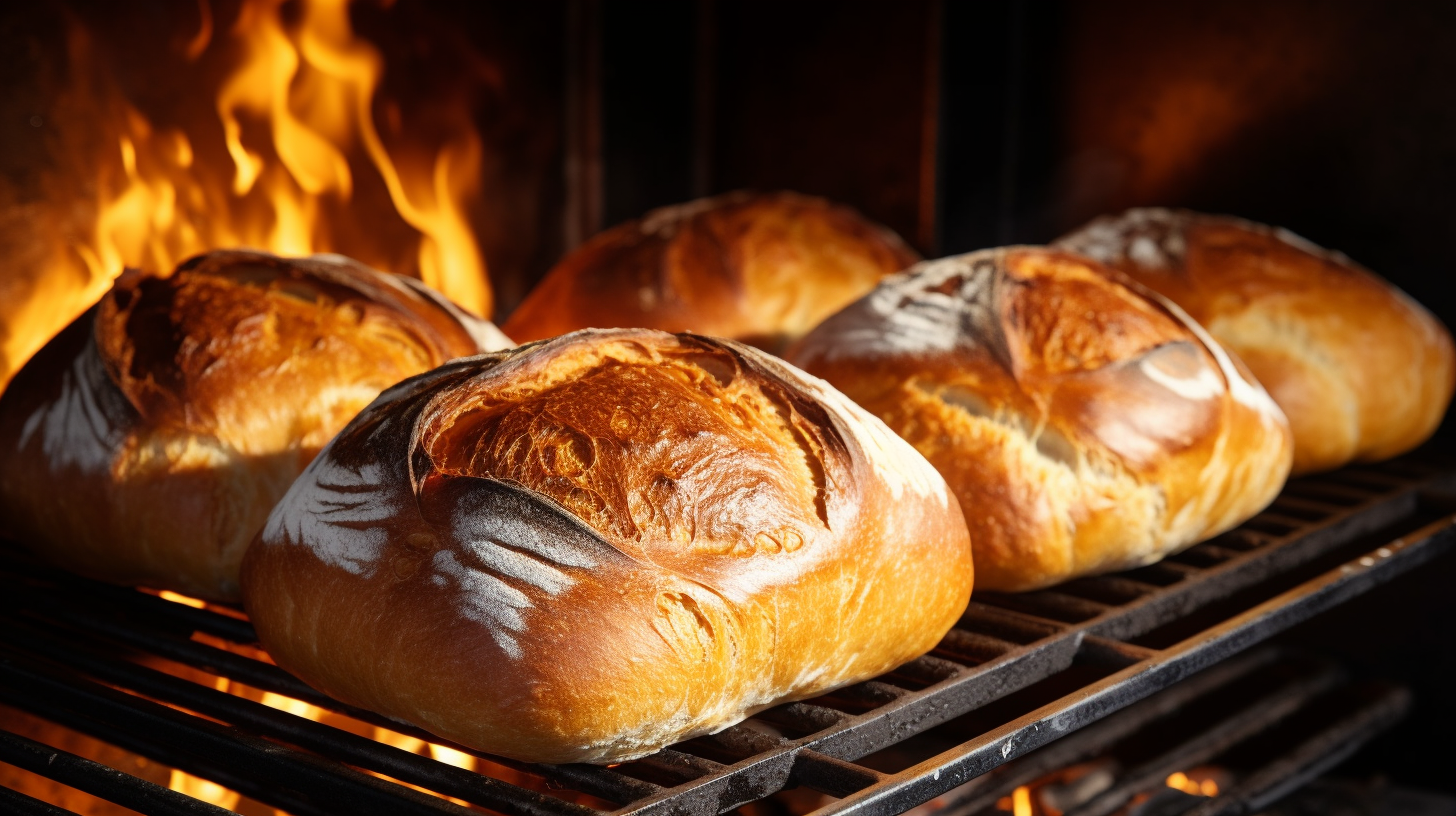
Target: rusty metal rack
[[1017, 673]]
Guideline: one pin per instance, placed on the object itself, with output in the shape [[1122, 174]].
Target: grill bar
[[99, 780], [984, 791], [139, 634], [1200, 748], [78, 632], [269, 722], [295, 781], [1312, 757], [981, 755], [21, 805]]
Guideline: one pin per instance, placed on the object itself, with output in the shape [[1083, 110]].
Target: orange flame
[[1193, 787], [298, 139], [1021, 801], [206, 790]]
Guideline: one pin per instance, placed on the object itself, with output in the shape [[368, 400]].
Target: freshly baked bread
[[1362, 371], [1083, 426], [762, 269], [585, 549], [147, 442]]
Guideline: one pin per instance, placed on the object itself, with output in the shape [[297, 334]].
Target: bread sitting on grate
[[1084, 427], [1362, 371], [147, 442], [588, 548], [762, 269]]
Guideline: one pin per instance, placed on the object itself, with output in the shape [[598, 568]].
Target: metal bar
[[930, 778], [270, 722], [99, 780], [1049, 605], [18, 804], [1310, 758], [984, 791], [184, 616], [833, 776], [758, 776], [1256, 718], [973, 646], [274, 774], [582, 123], [1248, 569], [599, 782]]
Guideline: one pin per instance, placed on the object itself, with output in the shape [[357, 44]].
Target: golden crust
[[762, 269], [151, 438], [1362, 371], [637, 537], [1083, 426]]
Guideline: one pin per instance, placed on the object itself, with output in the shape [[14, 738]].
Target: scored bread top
[[178, 410], [266, 353], [1085, 424], [638, 536], [1362, 371]]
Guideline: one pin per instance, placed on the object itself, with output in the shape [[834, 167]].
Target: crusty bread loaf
[[588, 548], [1362, 371], [147, 442], [1083, 426], [762, 269]]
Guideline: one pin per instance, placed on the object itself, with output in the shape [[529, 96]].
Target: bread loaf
[[762, 269], [1362, 371], [148, 441], [1083, 426], [585, 549]]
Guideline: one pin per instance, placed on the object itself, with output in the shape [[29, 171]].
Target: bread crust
[[759, 268], [1084, 424], [149, 440], [1362, 371], [588, 548]]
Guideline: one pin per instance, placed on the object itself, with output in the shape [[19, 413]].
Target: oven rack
[[83, 654]]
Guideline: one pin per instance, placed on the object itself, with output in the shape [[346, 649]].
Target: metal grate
[[1272, 721], [85, 655]]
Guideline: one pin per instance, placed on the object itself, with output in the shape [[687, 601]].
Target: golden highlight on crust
[[1363, 372], [1084, 427], [153, 436], [638, 537], [759, 268], [689, 431]]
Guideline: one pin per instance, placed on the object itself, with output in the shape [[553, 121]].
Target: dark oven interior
[[960, 126]]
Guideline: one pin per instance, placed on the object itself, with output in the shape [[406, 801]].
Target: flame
[[1021, 801], [181, 599], [1193, 787], [206, 790], [297, 708], [286, 171], [401, 741], [450, 756]]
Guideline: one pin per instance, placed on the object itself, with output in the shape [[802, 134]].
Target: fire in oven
[[600, 407]]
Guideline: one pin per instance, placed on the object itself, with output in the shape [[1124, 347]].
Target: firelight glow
[[297, 119]]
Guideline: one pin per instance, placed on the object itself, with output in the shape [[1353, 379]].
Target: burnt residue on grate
[[1015, 674]]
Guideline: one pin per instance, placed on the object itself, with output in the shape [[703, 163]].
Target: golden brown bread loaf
[[585, 549], [1362, 371], [1084, 427], [762, 269], [147, 442]]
